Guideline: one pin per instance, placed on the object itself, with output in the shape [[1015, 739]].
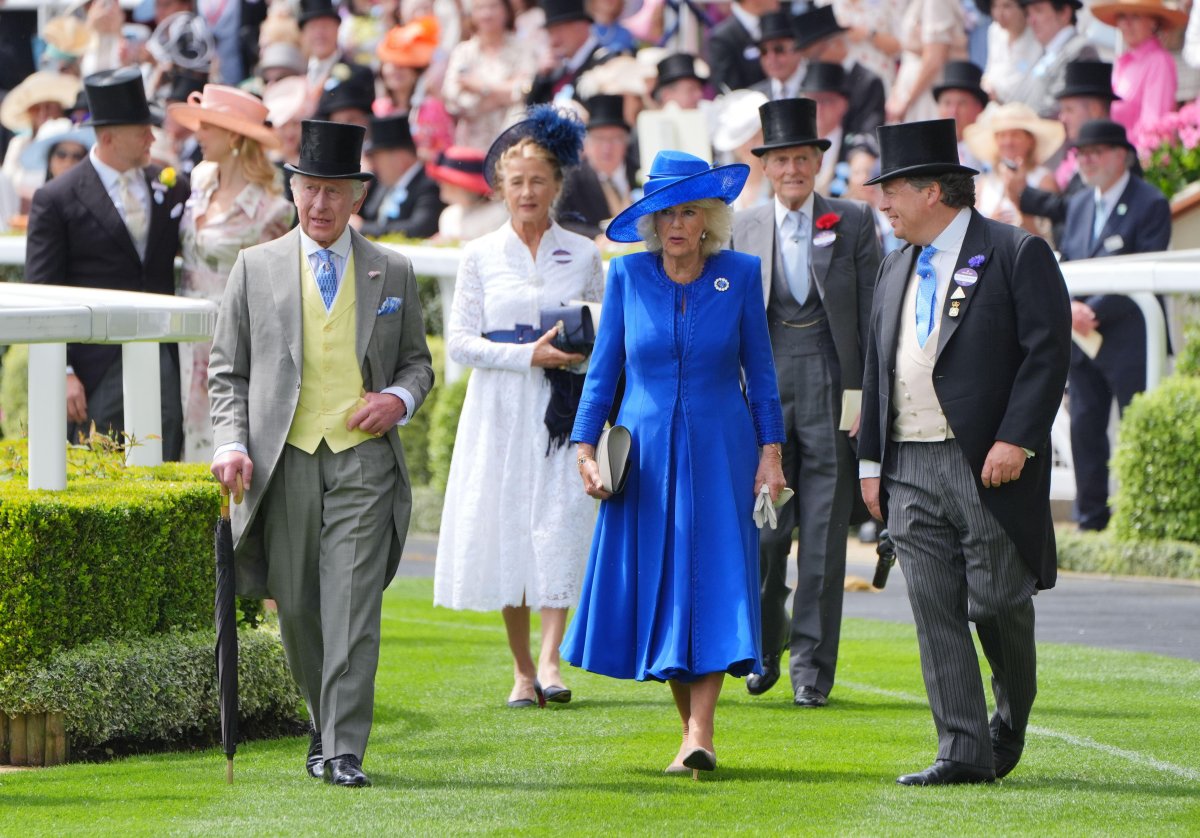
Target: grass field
[[1115, 749]]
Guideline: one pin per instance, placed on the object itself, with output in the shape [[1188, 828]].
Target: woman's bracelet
[[775, 447], [583, 458]]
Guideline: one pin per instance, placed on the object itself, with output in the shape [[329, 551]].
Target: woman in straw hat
[[237, 201], [41, 97], [1015, 137], [671, 591], [1144, 75]]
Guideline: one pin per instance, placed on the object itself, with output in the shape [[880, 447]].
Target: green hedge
[[1187, 362], [445, 426], [157, 690], [1157, 464], [14, 392], [104, 558], [1100, 552]]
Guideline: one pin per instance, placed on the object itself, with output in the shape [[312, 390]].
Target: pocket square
[[391, 305]]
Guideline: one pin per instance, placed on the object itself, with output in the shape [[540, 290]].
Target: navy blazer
[[419, 212], [733, 57], [999, 375]]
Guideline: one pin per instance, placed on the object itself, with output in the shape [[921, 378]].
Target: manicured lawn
[[1115, 751]]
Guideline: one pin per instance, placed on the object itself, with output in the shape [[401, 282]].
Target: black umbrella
[[225, 617]]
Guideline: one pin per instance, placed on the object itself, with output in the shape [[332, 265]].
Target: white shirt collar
[[109, 176], [950, 239], [407, 177], [790, 87], [781, 211], [1113, 193], [1060, 38], [748, 21], [341, 247]]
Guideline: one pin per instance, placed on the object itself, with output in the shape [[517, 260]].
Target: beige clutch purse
[[612, 457]]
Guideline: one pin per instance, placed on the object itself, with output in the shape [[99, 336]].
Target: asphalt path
[[1131, 614]]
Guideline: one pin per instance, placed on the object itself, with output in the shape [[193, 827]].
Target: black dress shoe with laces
[[316, 760], [810, 697], [759, 684], [346, 770], [1007, 746], [945, 772]]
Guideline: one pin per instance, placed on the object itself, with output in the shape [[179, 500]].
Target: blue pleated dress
[[671, 591]]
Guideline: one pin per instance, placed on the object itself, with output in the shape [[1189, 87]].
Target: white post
[[143, 403], [454, 370], [1156, 336], [48, 416]]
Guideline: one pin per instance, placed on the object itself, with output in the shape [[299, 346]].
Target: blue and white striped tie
[[326, 278]]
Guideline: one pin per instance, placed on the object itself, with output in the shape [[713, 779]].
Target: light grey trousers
[[328, 529], [961, 567]]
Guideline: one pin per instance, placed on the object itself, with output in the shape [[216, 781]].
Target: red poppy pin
[[827, 221]]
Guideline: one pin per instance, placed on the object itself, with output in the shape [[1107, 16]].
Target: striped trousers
[[961, 567]]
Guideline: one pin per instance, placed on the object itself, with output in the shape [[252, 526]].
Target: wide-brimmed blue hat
[[36, 155], [678, 178]]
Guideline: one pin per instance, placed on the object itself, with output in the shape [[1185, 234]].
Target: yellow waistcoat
[[331, 384]]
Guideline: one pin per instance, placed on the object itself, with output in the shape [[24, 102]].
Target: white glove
[[764, 510]]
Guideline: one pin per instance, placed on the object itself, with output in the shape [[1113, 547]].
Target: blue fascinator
[[558, 131]]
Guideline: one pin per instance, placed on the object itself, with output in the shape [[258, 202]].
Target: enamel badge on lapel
[[958, 294], [953, 312], [966, 277], [721, 284], [825, 224], [824, 238]]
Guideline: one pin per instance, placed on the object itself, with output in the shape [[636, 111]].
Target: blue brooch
[[721, 284]]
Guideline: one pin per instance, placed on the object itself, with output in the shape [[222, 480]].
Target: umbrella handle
[[237, 497]]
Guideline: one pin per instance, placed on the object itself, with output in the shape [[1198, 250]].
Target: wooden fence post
[[3, 739], [35, 735], [56, 739], [17, 753]]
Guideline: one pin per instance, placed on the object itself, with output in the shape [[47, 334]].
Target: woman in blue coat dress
[[671, 589]]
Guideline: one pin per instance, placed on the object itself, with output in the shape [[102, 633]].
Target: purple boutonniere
[[976, 261]]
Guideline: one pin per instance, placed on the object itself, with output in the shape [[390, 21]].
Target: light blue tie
[[926, 293], [796, 253], [1098, 220], [326, 278]]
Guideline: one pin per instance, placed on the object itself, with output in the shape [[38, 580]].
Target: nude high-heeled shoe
[[678, 767], [699, 759]]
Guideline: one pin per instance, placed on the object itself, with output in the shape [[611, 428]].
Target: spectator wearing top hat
[[819, 258], [403, 199], [965, 362], [319, 354], [825, 84], [319, 22], [823, 39], [960, 96], [733, 45], [575, 49], [1053, 24], [781, 60], [348, 95], [1012, 50], [1087, 94], [112, 222], [680, 81], [599, 188], [1117, 212]]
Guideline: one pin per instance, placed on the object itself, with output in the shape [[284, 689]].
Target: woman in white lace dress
[[515, 531]]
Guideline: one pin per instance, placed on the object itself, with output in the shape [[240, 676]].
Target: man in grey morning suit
[[819, 260], [319, 354], [966, 360]]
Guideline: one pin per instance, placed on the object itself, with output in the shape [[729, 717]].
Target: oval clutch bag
[[612, 457]]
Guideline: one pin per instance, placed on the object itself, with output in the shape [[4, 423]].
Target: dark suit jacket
[[76, 237], [546, 85], [583, 206], [864, 89], [999, 375], [733, 56], [845, 272], [419, 212]]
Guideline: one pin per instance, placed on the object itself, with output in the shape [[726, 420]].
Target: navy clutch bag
[[576, 330]]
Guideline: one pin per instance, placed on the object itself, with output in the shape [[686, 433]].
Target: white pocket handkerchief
[[177, 210], [391, 305], [1114, 242]]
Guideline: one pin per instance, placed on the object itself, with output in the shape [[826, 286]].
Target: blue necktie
[[795, 254], [926, 293], [326, 277], [1098, 220]]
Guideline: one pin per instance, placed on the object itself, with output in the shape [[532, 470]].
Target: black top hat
[[823, 77], [962, 75], [564, 11], [816, 25], [183, 85], [913, 149], [330, 150], [676, 66], [1088, 78], [351, 87], [117, 97], [1102, 132], [606, 110], [787, 123], [390, 132], [776, 25], [312, 9]]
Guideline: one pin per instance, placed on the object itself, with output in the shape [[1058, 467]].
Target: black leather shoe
[[759, 684], [346, 770], [944, 772], [1007, 746], [315, 761], [810, 697]]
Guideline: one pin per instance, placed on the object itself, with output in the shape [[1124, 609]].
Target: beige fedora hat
[[40, 87], [229, 108], [1168, 12], [1048, 134], [67, 35]]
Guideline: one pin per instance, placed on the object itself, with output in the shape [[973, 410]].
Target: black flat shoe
[[346, 770], [539, 700], [944, 772], [315, 762], [810, 697], [1007, 746], [759, 684], [558, 695]]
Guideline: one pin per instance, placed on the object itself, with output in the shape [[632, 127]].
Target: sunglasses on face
[[68, 154], [779, 49]]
